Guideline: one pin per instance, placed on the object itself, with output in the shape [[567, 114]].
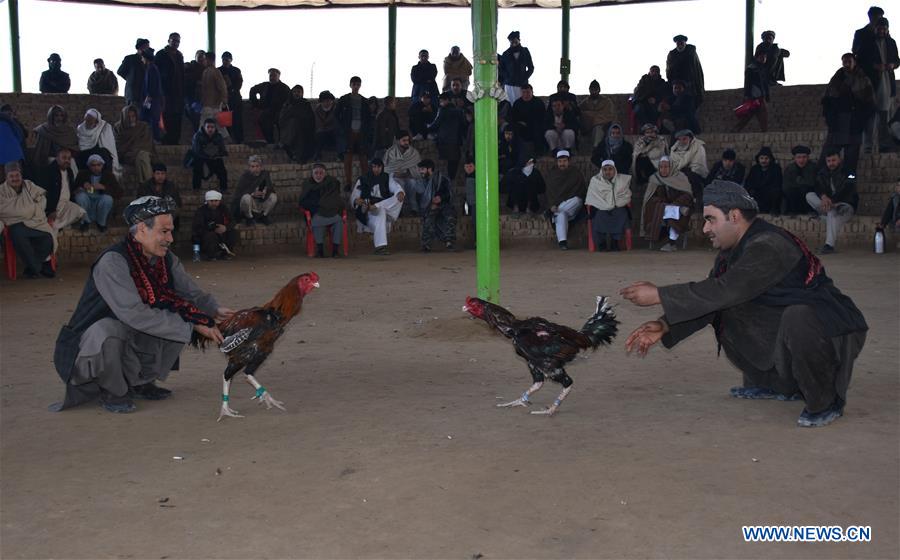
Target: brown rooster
[[250, 336]]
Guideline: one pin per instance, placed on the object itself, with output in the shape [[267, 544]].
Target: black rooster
[[546, 346]]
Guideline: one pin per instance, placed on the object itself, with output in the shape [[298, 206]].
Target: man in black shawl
[[775, 56], [132, 71], [170, 63], [54, 80], [102, 81], [777, 315], [297, 124], [683, 64], [234, 79]]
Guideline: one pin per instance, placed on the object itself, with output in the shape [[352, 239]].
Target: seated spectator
[[727, 169], [894, 127], [799, 180], [22, 213], [566, 189], [764, 182], [756, 88], [434, 197], [96, 190], [326, 124], [570, 102], [679, 110], [688, 155], [774, 57], [102, 81], [608, 197], [421, 113], [424, 77], [208, 148], [560, 126], [597, 113], [58, 178], [666, 210], [297, 127], [134, 143], [650, 91], [213, 230], [510, 151], [456, 67], [449, 127], [255, 198], [648, 150], [387, 125], [55, 80], [528, 115], [835, 198], [268, 98], [401, 163], [616, 148], [12, 137], [96, 136], [159, 185], [890, 218], [458, 94], [321, 196], [377, 201], [52, 135], [523, 185]]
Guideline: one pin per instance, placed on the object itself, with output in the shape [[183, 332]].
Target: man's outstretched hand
[[645, 336], [211, 333], [641, 293], [223, 314]]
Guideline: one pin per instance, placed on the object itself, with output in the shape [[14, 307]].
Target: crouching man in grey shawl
[[137, 311], [777, 315]]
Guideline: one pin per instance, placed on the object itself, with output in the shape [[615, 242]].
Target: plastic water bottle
[[196, 252], [879, 241]]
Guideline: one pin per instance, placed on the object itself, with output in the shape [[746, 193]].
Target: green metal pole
[[487, 194], [564, 62], [14, 45], [392, 49], [750, 36], [211, 25]]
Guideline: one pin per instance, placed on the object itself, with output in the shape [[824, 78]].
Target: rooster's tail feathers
[[602, 327]]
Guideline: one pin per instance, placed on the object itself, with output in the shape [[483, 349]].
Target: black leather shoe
[[150, 392], [119, 405]]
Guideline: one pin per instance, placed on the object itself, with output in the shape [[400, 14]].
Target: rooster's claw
[[517, 402], [549, 411]]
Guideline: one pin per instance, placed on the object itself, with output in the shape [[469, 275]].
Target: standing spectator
[[510, 151], [450, 127], [799, 180], [401, 163], [756, 88], [297, 127], [471, 196], [648, 150], [849, 100], [688, 155], [516, 67], [775, 56], [458, 94], [96, 190], [528, 115], [614, 148], [52, 135], [255, 198], [96, 136], [132, 71], [434, 196], [170, 63], [597, 113], [866, 34], [213, 230], [608, 197], [683, 64], [58, 179], [193, 77], [159, 185], [421, 113], [208, 148], [213, 93], [666, 210], [456, 66], [268, 98], [22, 211], [354, 129], [234, 81], [878, 58], [560, 127], [650, 91], [54, 80], [321, 196], [566, 190], [12, 137], [377, 202], [727, 169], [102, 81], [890, 218], [424, 77], [154, 99], [765, 181], [326, 124], [523, 184], [835, 198], [570, 102], [387, 125], [679, 110], [134, 143]]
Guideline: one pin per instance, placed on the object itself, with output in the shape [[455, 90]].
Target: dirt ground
[[392, 446]]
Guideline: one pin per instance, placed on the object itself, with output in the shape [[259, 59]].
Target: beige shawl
[[26, 207]]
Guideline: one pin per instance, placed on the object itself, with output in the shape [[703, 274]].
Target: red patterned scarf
[[152, 283]]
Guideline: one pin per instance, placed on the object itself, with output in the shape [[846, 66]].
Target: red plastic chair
[[590, 231], [9, 254], [310, 240]]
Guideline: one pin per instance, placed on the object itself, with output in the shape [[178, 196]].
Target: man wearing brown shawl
[[102, 81], [597, 113], [456, 66], [666, 211], [297, 126], [135, 143], [849, 100], [22, 213], [213, 93], [53, 134]]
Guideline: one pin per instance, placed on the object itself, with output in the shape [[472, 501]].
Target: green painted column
[[211, 25], [487, 195], [392, 49], [14, 53], [565, 65], [750, 37]]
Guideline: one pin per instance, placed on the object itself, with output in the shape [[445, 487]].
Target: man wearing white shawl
[[377, 201], [401, 162], [608, 197], [96, 136]]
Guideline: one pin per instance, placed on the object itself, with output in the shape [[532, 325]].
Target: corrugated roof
[[248, 4]]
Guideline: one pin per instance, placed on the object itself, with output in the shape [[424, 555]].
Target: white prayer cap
[[212, 195], [608, 162], [664, 158], [562, 154], [97, 158]]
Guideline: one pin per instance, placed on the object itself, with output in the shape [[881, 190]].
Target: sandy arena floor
[[392, 446]]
